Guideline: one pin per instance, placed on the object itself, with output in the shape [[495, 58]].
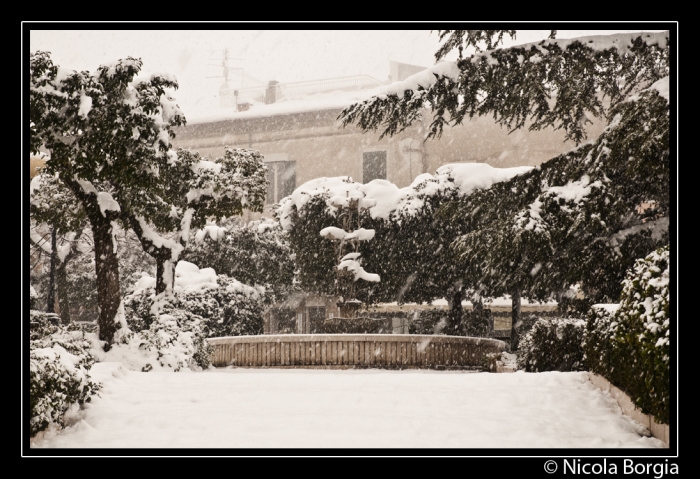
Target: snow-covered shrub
[[604, 355], [225, 306], [177, 339], [59, 364], [629, 343], [521, 328], [490, 361], [255, 254], [553, 344]]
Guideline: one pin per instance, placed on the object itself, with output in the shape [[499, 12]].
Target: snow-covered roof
[[313, 102]]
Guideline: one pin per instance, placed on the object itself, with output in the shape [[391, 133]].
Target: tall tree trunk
[[455, 295], [514, 318], [107, 272], [106, 262], [165, 272], [62, 290], [51, 295]]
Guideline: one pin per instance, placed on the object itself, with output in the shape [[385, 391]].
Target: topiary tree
[[346, 240]]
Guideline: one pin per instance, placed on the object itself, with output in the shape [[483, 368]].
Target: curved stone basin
[[396, 351]]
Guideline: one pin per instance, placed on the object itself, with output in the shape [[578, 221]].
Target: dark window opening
[[373, 166]]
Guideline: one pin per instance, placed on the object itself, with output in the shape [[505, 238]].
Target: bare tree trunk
[[162, 277], [51, 295], [515, 318], [62, 290], [455, 295]]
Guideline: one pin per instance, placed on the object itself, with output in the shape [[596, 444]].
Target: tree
[[256, 254], [552, 83], [346, 241], [54, 205], [109, 134], [576, 218], [199, 190]]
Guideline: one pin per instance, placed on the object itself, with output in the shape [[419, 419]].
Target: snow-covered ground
[[290, 408]]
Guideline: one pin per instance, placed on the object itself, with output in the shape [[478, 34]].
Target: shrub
[[59, 364], [428, 321], [629, 344], [177, 340], [226, 307], [553, 344], [477, 323], [521, 328]]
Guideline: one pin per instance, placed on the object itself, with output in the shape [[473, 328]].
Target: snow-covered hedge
[[223, 305], [553, 344], [173, 341], [629, 344], [59, 365]]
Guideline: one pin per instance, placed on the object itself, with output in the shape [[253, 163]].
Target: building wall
[[320, 147]]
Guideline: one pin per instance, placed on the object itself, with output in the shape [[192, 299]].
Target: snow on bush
[[629, 343], [553, 344], [59, 364], [169, 330]]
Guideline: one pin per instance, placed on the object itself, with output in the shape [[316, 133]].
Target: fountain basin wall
[[395, 351]]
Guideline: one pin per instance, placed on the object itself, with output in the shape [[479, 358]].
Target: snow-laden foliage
[[256, 254], [59, 365], [474, 323], [198, 191], [33, 297], [50, 202], [576, 218], [554, 82], [76, 281], [174, 340], [108, 134], [629, 343], [410, 249], [553, 344], [222, 305]]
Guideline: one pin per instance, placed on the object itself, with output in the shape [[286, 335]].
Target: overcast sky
[[286, 56]]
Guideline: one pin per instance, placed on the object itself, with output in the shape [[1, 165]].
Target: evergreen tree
[[551, 83]]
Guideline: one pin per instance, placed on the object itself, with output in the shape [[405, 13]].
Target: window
[[373, 166], [282, 178]]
